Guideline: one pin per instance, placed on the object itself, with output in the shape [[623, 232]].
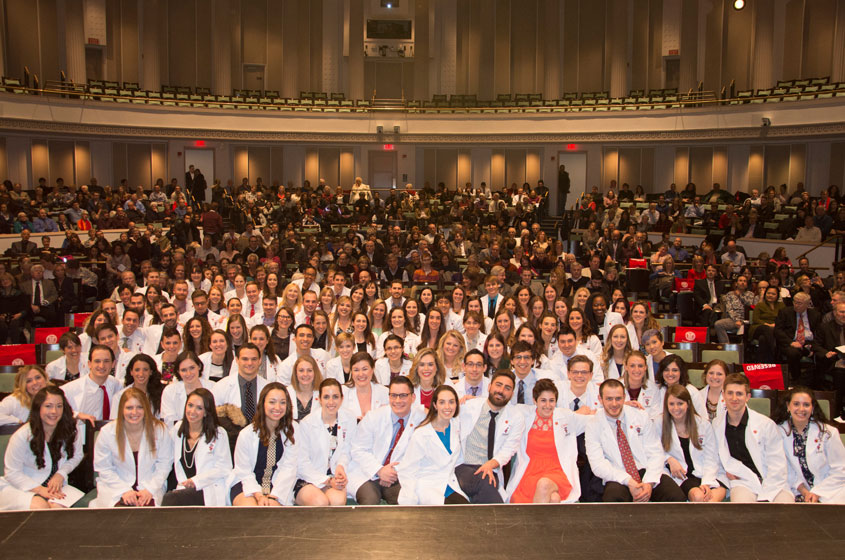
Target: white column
[[617, 39], [356, 51], [74, 41]]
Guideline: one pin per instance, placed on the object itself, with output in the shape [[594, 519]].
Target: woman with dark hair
[[137, 476], [361, 334], [265, 454], [711, 399], [237, 330], [813, 448], [188, 368], [325, 436], [433, 330], [282, 334], [217, 362], [496, 355], [196, 336], [673, 371], [142, 373], [41, 454], [202, 460], [362, 393], [546, 469], [600, 319], [584, 335], [270, 366], [427, 469], [691, 448], [14, 304]]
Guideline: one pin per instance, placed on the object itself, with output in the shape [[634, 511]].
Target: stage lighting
[[739, 4]]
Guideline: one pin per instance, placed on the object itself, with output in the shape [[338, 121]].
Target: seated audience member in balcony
[[796, 331], [750, 449], [735, 304], [814, 451], [829, 358], [707, 293], [763, 323], [625, 452]]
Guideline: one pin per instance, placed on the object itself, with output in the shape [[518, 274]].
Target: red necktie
[[251, 310], [395, 440], [106, 406], [800, 337], [307, 320], [625, 451]]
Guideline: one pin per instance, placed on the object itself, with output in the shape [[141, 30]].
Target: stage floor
[[583, 531]]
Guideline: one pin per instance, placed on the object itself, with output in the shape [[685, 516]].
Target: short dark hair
[[504, 373], [399, 380], [545, 384], [248, 346], [95, 347], [474, 352], [612, 384], [738, 379]]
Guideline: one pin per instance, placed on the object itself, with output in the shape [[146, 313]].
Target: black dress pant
[[479, 490], [666, 490], [371, 493]]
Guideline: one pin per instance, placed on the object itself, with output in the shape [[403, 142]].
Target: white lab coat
[[84, 395], [603, 448], [593, 345], [660, 396], [334, 370], [567, 427], [765, 445], [213, 463], [227, 390], [479, 342], [611, 318], [382, 370], [705, 460], [460, 386], [316, 457], [205, 358], [485, 303], [650, 400], [509, 427], [173, 400], [428, 468], [371, 442], [315, 401], [700, 403], [590, 398], [116, 476], [559, 364], [21, 473], [152, 338], [246, 455], [12, 411], [378, 398], [825, 459], [412, 341], [58, 367], [284, 369]]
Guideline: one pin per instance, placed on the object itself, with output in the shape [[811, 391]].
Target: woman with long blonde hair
[[615, 352]]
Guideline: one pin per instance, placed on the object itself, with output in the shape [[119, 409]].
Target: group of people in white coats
[[323, 442]]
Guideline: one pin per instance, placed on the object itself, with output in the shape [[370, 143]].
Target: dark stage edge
[[583, 531]]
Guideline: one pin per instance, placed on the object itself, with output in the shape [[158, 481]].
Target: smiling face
[[800, 409], [34, 382], [501, 391], [330, 399], [305, 374], [613, 399], [195, 410], [678, 408], [133, 412], [736, 397], [619, 339], [362, 373], [140, 373], [446, 405], [275, 406], [635, 368], [426, 369], [546, 403], [189, 371]]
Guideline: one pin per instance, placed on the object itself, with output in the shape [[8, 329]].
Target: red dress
[[544, 463]]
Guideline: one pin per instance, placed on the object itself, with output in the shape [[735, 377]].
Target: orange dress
[[544, 463]]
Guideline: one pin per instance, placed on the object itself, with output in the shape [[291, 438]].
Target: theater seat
[[761, 405]]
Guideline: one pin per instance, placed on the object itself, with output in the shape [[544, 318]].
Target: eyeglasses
[[522, 358], [474, 364], [399, 395], [583, 373]]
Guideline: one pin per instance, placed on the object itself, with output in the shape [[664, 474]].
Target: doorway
[[382, 169], [576, 167], [254, 77], [202, 159]]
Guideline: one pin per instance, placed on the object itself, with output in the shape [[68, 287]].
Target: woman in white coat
[[34, 481], [338, 367], [202, 460], [142, 373], [692, 456], [673, 371], [133, 456], [266, 455], [813, 448], [710, 401], [14, 409], [393, 362], [639, 391], [427, 470], [363, 393], [188, 368], [546, 469], [601, 319], [325, 437], [69, 366], [303, 386]]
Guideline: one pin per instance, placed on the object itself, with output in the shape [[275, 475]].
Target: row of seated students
[[557, 429]]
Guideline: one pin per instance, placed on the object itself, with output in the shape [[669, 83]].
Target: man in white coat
[[472, 384], [131, 336], [107, 336], [491, 433], [750, 448], [92, 396], [303, 339], [567, 344], [625, 452], [379, 444], [152, 333], [242, 390]]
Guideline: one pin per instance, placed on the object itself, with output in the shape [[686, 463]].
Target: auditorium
[[484, 268]]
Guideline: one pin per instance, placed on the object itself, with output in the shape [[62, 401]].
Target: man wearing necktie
[[706, 293], [831, 337], [491, 433], [522, 358], [491, 300], [796, 330], [42, 295]]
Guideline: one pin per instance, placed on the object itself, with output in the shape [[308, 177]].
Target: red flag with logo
[[764, 376], [49, 336], [691, 334], [684, 284], [637, 263], [17, 355]]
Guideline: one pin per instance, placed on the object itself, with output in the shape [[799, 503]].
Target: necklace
[[188, 452]]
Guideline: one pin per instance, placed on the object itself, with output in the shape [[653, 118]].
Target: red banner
[[637, 263], [684, 284], [764, 376], [691, 334], [80, 318], [49, 336], [17, 355]]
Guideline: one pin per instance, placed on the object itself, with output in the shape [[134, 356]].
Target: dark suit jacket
[[827, 340], [617, 254], [48, 291], [786, 323], [19, 248], [701, 293]]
